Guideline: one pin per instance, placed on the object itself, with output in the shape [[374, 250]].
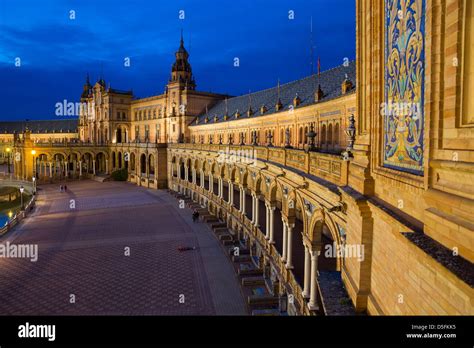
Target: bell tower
[[181, 72], [181, 82]]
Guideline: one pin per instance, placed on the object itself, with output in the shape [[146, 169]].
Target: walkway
[[83, 268]]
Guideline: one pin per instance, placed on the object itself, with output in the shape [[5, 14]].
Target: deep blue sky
[[56, 52]]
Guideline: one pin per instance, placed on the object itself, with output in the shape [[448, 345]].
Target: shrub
[[120, 175]]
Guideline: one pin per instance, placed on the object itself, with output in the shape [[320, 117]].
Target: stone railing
[[330, 167]]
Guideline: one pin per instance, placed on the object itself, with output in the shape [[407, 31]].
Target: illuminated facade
[[398, 203]]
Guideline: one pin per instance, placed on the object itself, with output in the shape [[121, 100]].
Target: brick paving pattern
[[82, 253]]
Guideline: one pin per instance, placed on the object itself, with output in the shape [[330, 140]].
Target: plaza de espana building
[[358, 180]]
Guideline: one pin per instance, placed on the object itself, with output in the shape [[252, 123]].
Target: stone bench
[[240, 258], [250, 272], [263, 301], [266, 312], [250, 281]]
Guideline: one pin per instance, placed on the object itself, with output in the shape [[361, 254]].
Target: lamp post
[[34, 185], [254, 138], [269, 139], [350, 132], [311, 136], [21, 195], [8, 159], [33, 153]]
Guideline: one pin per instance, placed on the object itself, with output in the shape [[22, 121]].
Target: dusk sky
[[56, 52]]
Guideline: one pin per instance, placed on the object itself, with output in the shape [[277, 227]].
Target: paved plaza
[[112, 249]]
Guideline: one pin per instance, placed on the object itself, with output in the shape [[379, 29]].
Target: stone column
[[289, 263], [202, 178], [253, 209], [231, 193], [242, 205], [267, 219], [256, 211], [186, 173], [314, 281], [80, 168], [66, 169], [271, 223], [285, 240], [106, 166], [194, 176], [50, 169], [93, 166], [240, 198], [307, 272]]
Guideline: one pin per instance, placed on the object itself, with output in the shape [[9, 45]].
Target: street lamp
[[21, 195], [33, 152], [34, 185], [8, 159], [350, 132]]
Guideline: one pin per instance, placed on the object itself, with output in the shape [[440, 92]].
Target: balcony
[[313, 165]]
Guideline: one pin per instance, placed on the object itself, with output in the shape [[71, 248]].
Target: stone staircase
[[101, 178]]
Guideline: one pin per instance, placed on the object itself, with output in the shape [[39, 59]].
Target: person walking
[[195, 215]]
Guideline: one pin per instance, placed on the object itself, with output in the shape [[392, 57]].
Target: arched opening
[[336, 136], [236, 197], [330, 135], [298, 251], [143, 164], [100, 163], [181, 170], [119, 135], [225, 190], [323, 135], [87, 163], [119, 155], [151, 164], [276, 197], [132, 161], [327, 259], [114, 162], [190, 170], [174, 172]]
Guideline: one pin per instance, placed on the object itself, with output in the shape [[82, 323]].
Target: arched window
[[305, 135], [323, 134], [336, 135], [300, 136]]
